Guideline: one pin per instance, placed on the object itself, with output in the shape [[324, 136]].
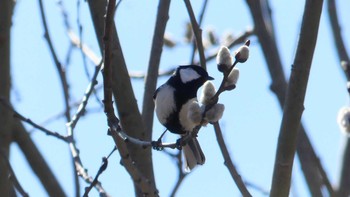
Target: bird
[[172, 101]]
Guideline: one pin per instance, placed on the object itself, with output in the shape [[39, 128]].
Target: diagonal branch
[[228, 162], [197, 31], [294, 103], [344, 181], [308, 159], [80, 170], [128, 112], [13, 177], [36, 161], [201, 16], [64, 83]]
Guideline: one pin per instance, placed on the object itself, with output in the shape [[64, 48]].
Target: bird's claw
[[179, 144], [156, 145]]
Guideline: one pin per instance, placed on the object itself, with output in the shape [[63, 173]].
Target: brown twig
[[197, 31], [63, 80], [12, 176], [36, 160], [181, 174], [200, 20], [29, 121], [228, 162], [81, 171], [293, 106], [102, 168], [239, 40]]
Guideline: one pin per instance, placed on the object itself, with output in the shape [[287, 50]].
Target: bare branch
[[153, 66], [36, 161], [103, 167], [181, 174], [194, 46], [197, 31], [293, 106], [13, 177], [344, 180], [29, 121], [306, 153], [81, 171], [239, 40], [228, 162], [58, 64]]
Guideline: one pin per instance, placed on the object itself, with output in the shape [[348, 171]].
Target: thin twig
[[200, 20], [58, 64], [13, 177], [181, 174], [197, 31], [239, 40], [228, 162], [103, 167], [29, 121], [63, 80]]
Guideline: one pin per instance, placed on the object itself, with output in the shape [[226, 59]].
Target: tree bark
[[36, 160], [153, 66], [129, 115], [294, 103], [307, 156], [6, 10], [344, 180]]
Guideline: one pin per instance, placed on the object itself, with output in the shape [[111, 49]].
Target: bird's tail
[[193, 155]]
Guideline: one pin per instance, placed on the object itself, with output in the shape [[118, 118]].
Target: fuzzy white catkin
[[343, 120], [224, 57], [194, 113], [232, 77], [242, 53], [215, 113], [208, 92]]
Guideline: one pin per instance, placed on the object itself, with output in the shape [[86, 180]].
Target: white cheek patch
[[165, 103], [188, 75]]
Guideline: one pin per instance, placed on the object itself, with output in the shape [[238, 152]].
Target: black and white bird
[[172, 101]]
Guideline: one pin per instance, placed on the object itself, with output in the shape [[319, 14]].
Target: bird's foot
[[156, 145], [179, 144]]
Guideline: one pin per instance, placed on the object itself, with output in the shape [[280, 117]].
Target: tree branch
[[153, 67], [293, 106], [307, 156], [197, 31], [6, 134], [36, 160], [64, 83], [13, 177], [344, 180], [194, 46], [228, 162], [130, 117]]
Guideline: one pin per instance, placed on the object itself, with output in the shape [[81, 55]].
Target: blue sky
[[251, 120]]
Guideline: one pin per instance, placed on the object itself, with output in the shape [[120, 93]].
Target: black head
[[191, 73], [187, 79]]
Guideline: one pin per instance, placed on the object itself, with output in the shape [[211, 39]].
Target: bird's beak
[[210, 78]]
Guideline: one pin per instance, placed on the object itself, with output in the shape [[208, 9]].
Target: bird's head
[[192, 75]]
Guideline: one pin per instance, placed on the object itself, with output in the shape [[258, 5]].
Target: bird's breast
[[165, 103]]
